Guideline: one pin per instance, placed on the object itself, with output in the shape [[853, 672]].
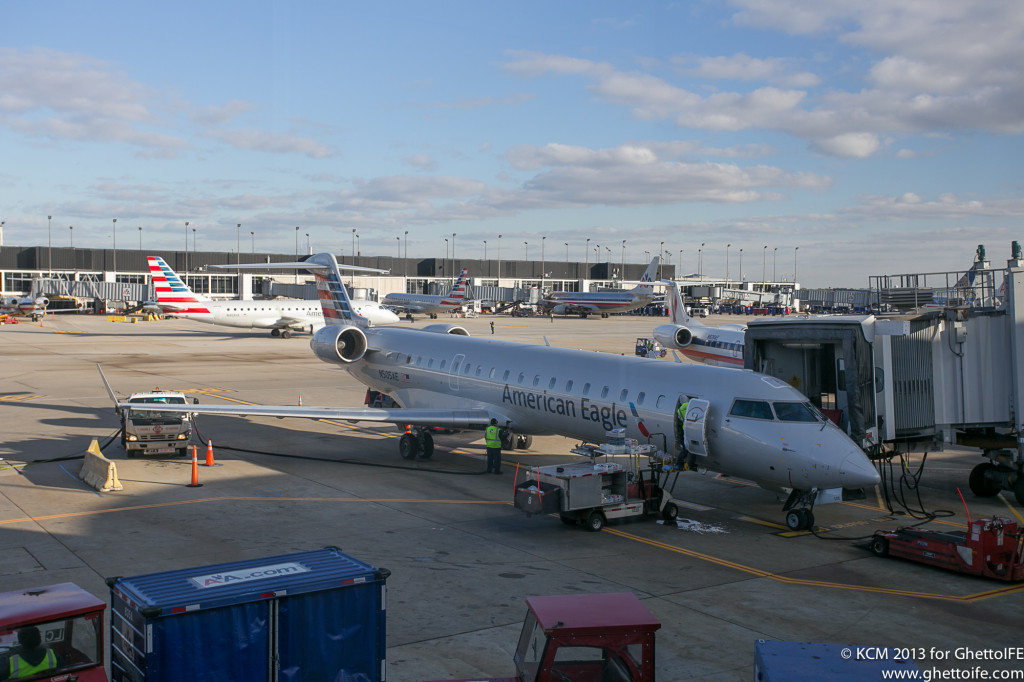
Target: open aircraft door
[[696, 436]]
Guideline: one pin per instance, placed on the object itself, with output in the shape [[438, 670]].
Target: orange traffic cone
[[209, 453], [300, 401], [195, 470]]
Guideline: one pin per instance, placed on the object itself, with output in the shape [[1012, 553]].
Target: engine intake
[[673, 335], [339, 345]]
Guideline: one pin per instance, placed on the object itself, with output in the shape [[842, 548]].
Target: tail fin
[[676, 309], [334, 299], [457, 296], [173, 294], [646, 289]]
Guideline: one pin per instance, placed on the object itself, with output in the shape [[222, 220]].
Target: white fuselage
[[276, 314], [578, 394], [423, 303]]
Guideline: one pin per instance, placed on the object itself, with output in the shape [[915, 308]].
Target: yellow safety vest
[[22, 668], [681, 412], [492, 437]]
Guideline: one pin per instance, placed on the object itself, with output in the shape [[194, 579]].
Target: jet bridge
[[951, 372]]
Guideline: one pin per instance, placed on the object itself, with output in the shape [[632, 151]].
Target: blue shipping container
[[317, 615]]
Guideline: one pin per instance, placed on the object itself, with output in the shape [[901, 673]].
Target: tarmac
[[462, 558]]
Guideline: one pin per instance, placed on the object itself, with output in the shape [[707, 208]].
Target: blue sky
[[879, 137]]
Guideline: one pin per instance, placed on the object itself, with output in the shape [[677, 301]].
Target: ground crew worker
[[687, 460], [32, 658], [492, 327], [492, 437]]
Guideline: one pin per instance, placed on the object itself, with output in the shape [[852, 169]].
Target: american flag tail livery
[[457, 296], [173, 295], [646, 288], [333, 297]]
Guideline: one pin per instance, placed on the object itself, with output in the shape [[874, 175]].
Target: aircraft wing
[[453, 419]]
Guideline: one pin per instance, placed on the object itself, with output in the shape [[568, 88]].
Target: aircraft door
[[453, 373], [696, 435]]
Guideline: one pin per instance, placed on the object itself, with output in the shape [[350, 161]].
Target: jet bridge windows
[[754, 409]]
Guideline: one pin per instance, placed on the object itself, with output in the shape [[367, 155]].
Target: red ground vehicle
[[70, 623], [992, 548], [584, 638]]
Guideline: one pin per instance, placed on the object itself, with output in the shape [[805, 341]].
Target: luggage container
[[316, 615]]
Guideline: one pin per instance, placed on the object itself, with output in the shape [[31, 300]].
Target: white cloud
[[278, 143], [747, 68], [422, 161], [849, 145]]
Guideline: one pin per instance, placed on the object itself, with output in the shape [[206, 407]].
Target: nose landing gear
[[799, 509]]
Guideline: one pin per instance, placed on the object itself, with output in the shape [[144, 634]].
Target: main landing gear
[[283, 333], [514, 441], [799, 509], [416, 443]]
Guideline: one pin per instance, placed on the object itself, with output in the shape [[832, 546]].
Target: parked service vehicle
[[647, 347], [156, 433], [606, 637]]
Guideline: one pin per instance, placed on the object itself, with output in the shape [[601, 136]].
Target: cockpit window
[[755, 409], [796, 412]]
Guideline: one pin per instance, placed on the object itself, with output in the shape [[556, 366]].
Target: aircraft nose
[[857, 471]]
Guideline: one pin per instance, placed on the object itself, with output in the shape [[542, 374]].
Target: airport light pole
[[238, 244], [49, 242], [499, 260], [764, 256], [661, 251], [140, 237], [115, 249], [586, 259], [358, 250], [741, 267], [186, 246], [405, 264], [542, 261], [71, 231], [566, 252], [526, 250], [727, 264], [399, 246], [622, 266], [2, 223], [680, 273], [252, 241], [453, 255], [353, 246], [775, 260], [795, 249], [700, 262]]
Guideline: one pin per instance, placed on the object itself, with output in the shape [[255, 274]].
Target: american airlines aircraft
[[280, 316], [719, 346], [23, 306], [738, 423], [604, 302], [431, 304]]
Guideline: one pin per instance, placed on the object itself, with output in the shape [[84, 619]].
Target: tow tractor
[[63, 618], [991, 548], [650, 348], [607, 637], [591, 492]]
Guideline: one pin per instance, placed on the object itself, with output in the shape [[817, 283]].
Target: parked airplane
[[432, 304], [34, 307], [739, 423], [280, 316], [604, 302], [719, 346]]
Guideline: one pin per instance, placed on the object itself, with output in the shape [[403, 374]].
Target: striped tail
[[173, 295], [457, 296], [333, 297]]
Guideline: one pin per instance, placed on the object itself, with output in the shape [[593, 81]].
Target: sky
[[839, 140]]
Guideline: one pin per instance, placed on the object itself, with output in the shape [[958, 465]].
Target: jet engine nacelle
[[559, 310], [673, 335], [339, 345], [446, 328]]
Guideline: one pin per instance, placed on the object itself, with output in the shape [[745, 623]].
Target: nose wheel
[[800, 519]]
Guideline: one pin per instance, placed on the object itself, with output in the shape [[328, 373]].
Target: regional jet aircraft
[[738, 423], [604, 302], [280, 316], [719, 346], [432, 304]]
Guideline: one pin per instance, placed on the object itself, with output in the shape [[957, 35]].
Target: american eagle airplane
[[739, 423], [718, 346], [432, 304], [604, 302], [280, 316]]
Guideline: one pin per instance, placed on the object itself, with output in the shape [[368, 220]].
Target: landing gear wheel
[[275, 332], [285, 334], [407, 446], [583, 316], [524, 442], [594, 522], [879, 546], [979, 482], [670, 512], [426, 444], [799, 519]]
